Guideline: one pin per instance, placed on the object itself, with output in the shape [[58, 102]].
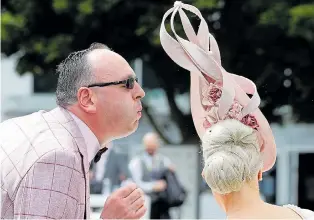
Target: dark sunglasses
[[129, 83]]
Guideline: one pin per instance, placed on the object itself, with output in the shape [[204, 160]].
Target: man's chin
[[134, 127], [130, 131]]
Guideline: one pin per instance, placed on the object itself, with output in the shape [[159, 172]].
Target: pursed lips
[[139, 111], [140, 108]]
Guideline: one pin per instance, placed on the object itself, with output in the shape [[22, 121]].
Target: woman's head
[[231, 154]]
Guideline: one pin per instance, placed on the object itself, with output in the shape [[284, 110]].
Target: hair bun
[[231, 155]]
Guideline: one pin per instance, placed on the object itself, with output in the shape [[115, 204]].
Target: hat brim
[[268, 147]]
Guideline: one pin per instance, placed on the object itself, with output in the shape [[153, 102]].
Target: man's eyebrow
[[131, 76], [128, 77]]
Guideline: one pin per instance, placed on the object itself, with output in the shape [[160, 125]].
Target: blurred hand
[[160, 186], [125, 203], [122, 177], [91, 175]]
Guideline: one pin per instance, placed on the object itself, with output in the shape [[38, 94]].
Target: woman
[[232, 169], [237, 141]]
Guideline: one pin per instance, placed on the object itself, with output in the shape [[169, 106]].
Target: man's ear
[[87, 100]]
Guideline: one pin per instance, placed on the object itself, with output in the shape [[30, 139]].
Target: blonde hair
[[231, 155]]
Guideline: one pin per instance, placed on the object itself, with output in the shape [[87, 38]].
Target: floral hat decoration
[[215, 93]]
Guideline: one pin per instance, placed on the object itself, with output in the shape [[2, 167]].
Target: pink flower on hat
[[211, 116], [206, 124], [235, 110], [211, 94], [250, 120]]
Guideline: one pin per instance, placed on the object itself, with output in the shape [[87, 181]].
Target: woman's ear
[[203, 174], [260, 175]]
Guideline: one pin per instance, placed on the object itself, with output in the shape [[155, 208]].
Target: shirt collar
[[91, 141]]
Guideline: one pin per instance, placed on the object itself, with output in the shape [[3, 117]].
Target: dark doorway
[[306, 181]]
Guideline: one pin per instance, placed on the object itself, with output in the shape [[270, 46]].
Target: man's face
[[118, 108], [151, 143], [151, 149]]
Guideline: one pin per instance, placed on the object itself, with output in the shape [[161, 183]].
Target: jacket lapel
[[64, 118], [81, 145]]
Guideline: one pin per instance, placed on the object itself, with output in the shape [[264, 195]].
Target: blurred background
[[270, 42]]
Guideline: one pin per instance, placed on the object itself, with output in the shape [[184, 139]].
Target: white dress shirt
[[100, 167], [135, 167], [91, 141]]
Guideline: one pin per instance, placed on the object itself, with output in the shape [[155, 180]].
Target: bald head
[[107, 65], [151, 142]]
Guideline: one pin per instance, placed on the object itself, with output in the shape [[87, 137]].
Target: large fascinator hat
[[215, 93]]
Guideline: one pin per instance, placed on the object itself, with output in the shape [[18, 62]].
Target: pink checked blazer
[[44, 167]]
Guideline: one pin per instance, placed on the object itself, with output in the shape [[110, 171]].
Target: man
[[45, 156], [146, 170]]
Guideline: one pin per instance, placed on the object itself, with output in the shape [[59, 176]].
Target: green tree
[[266, 41]]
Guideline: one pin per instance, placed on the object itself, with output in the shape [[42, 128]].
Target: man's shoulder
[[57, 115], [163, 156], [38, 127], [33, 136], [15, 131], [22, 118], [140, 155], [137, 159], [31, 121]]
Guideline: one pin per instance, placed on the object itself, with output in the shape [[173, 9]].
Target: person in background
[[113, 166], [146, 169]]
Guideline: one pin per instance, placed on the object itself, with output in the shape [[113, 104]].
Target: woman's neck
[[246, 200]]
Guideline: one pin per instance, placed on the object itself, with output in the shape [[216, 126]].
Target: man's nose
[[139, 94]]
